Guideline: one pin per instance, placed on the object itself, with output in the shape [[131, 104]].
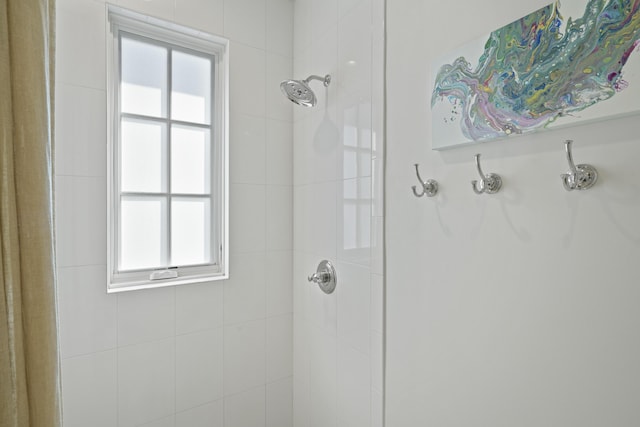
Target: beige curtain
[[29, 364]]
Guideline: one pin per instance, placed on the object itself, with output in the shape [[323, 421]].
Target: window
[[168, 149]]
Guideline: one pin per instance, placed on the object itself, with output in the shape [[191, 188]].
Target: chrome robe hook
[[490, 183], [429, 187], [580, 177]]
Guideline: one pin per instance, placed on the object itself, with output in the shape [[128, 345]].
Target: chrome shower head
[[298, 91]]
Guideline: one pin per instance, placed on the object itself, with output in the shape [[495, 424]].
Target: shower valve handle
[[319, 278], [324, 277]]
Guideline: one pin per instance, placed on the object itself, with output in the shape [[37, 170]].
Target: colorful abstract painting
[[566, 63]]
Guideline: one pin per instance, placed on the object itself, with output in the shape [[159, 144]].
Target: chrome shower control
[[325, 277]]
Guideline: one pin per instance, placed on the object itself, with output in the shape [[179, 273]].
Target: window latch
[[164, 274]]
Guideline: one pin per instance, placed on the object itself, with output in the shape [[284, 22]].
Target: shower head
[[298, 91]]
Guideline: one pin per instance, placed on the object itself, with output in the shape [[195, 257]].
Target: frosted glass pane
[[142, 156], [190, 232], [141, 233], [190, 158], [144, 78], [191, 88]]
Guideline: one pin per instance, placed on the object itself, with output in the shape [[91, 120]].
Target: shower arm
[[325, 80]]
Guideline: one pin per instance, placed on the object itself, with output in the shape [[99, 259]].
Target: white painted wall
[[214, 354], [513, 309], [338, 214]]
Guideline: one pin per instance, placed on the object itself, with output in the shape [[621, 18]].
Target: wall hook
[[490, 183], [429, 187], [580, 177]]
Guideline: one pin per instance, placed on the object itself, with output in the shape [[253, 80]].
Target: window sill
[[137, 285]]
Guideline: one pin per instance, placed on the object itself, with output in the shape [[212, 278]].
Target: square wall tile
[[81, 131], [279, 283], [247, 79], [81, 34], [356, 135], [146, 315], [279, 226], [325, 16], [247, 149], [247, 218], [301, 27], [280, 403], [355, 49], [199, 306], [323, 379], [320, 208], [207, 15], [245, 22], [244, 356], [246, 409], [279, 23], [354, 387], [146, 382], [198, 368], [81, 220], [354, 221], [209, 415], [279, 347], [279, 148], [89, 390], [324, 147], [279, 68], [354, 306], [244, 292], [88, 320]]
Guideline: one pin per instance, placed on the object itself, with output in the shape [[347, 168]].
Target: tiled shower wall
[[338, 212], [213, 354]]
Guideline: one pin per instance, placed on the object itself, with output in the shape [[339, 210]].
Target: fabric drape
[[29, 361]]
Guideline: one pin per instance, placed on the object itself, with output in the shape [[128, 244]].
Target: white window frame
[[169, 34]]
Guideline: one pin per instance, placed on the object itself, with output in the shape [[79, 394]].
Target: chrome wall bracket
[[325, 277], [490, 183], [580, 177], [429, 187]]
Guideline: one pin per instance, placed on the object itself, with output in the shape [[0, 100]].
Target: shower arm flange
[[325, 80]]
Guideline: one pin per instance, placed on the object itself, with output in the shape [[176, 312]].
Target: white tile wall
[[279, 155], [209, 415], [87, 314], [247, 80], [199, 368], [199, 307], [247, 223], [247, 149], [279, 347], [246, 409], [90, 390], [145, 316], [244, 356], [146, 382], [244, 292], [280, 403], [338, 215], [80, 117], [207, 15], [193, 355], [245, 22]]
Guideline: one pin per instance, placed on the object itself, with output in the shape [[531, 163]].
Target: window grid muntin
[[213, 151]]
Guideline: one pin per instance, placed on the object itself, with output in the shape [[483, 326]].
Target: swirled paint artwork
[[545, 69]]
